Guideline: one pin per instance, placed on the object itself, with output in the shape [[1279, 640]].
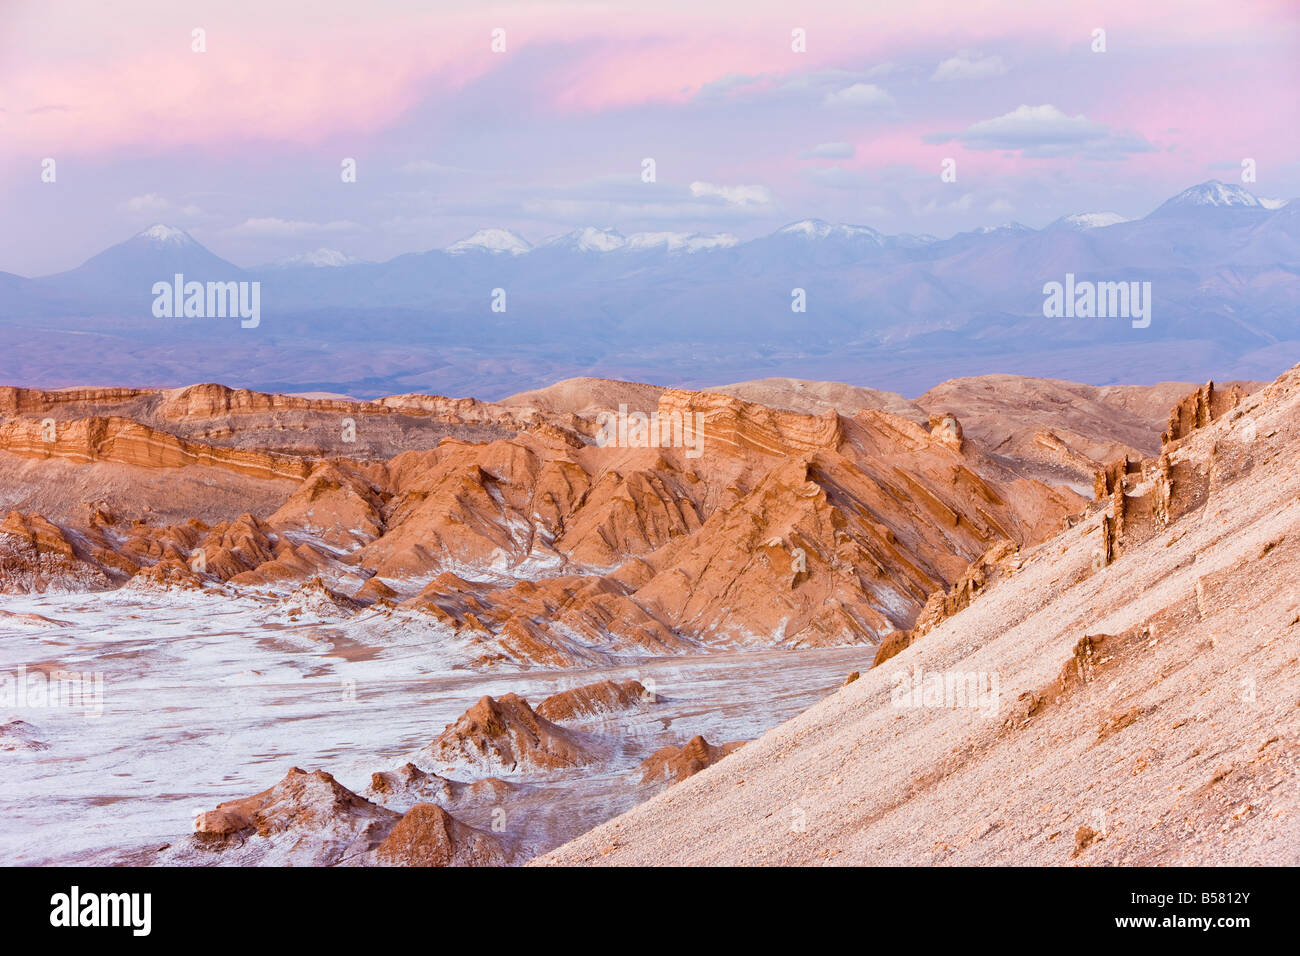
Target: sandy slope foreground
[[1147, 709]]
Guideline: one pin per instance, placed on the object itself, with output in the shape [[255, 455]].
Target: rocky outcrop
[[1144, 496], [19, 736], [673, 764], [946, 429], [125, 442], [335, 504], [408, 785], [35, 555], [1198, 409], [1056, 431], [317, 599], [35, 401], [542, 547], [210, 400], [1139, 496], [1174, 669], [732, 426], [505, 737], [428, 835], [995, 564], [594, 700], [310, 819], [306, 818]]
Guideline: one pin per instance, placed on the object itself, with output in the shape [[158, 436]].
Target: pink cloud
[[306, 72]]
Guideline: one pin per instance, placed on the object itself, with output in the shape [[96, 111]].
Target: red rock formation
[[788, 528], [505, 736], [428, 835], [1199, 408], [125, 442], [998, 562], [408, 784], [337, 505], [675, 764], [1189, 698], [1141, 497], [594, 700], [1144, 496], [946, 429], [310, 818], [35, 555]]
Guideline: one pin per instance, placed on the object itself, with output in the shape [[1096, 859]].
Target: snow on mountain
[[320, 259], [1272, 203], [1090, 220], [680, 241], [820, 229], [159, 252], [1212, 194], [166, 235], [492, 240], [589, 239], [1006, 227]]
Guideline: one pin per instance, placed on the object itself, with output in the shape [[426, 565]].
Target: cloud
[[961, 204], [733, 195], [969, 66], [1045, 131], [272, 228], [583, 212], [809, 83], [734, 83], [858, 96], [829, 151], [623, 200], [154, 204]]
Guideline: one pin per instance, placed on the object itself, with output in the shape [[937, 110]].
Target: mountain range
[[899, 312]]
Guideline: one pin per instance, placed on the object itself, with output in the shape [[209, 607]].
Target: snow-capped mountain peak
[[1091, 220], [166, 235], [820, 229], [320, 259], [680, 241], [492, 240], [1212, 194], [1003, 227], [589, 239]]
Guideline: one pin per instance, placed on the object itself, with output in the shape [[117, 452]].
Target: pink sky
[[116, 90]]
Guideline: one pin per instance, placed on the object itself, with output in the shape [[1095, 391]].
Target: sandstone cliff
[[530, 542]]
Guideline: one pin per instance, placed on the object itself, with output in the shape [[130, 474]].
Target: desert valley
[[414, 630]]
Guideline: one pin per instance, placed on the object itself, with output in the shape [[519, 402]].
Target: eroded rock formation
[[673, 764], [510, 528], [594, 700], [505, 736]]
